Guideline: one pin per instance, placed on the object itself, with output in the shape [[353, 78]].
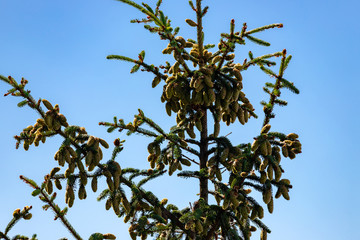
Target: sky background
[[61, 48]]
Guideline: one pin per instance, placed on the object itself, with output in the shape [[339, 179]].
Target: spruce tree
[[203, 88]]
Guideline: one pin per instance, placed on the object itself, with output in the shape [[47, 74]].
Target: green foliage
[[227, 171], [17, 215], [96, 236]]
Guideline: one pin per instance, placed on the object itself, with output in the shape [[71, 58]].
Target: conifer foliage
[[202, 87]]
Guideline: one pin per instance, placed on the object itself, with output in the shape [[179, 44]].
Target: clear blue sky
[[61, 48]]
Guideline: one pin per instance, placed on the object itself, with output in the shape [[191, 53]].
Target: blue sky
[[61, 48]]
